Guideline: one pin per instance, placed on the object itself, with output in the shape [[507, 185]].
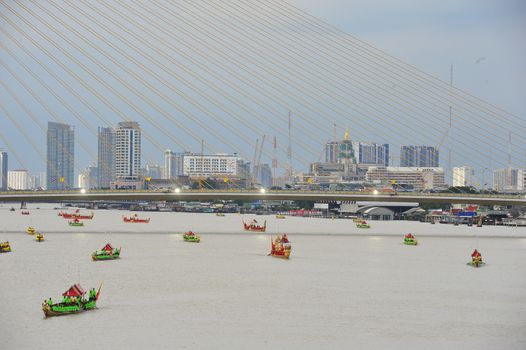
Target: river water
[[342, 288]]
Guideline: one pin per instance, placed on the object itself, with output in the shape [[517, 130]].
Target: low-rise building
[[419, 178]]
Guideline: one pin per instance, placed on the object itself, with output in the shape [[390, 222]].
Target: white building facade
[[19, 180], [218, 165], [463, 176], [128, 151], [417, 178]]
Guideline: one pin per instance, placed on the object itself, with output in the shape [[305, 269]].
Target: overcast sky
[[434, 34], [484, 40]]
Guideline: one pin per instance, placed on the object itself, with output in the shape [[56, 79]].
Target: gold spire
[[347, 135]]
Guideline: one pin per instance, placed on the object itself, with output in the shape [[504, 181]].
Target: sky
[[483, 40]]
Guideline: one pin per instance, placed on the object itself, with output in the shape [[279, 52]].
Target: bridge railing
[[262, 194]]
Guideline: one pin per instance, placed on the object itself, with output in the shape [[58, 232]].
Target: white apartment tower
[[128, 151], [463, 176]]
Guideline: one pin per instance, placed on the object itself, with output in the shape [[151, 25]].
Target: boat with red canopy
[[280, 247], [106, 253], [73, 302], [255, 226]]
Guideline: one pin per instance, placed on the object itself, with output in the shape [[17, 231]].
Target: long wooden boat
[[135, 219], [74, 302], [5, 247], [76, 223], [191, 237], [106, 253], [409, 239], [280, 247], [254, 226], [77, 216]]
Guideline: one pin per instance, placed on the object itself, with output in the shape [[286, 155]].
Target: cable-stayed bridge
[[254, 195], [229, 72]]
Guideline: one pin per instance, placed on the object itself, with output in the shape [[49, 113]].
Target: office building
[[419, 156], [106, 157], [218, 165], [60, 158], [409, 177], [371, 153]]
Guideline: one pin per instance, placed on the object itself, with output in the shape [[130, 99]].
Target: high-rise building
[[373, 154], [170, 164], [354, 152], [463, 176], [3, 170], [419, 156], [19, 180], [128, 151], [106, 157], [506, 180], [60, 156], [331, 152], [265, 175]]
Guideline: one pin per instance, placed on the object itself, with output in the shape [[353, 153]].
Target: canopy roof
[[107, 247], [74, 291]]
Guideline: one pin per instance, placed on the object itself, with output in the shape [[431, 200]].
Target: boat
[[363, 224], [76, 223], [39, 237], [73, 302], [254, 226], [77, 216], [409, 239], [356, 220], [135, 219], [280, 216], [476, 259], [5, 247], [106, 253], [24, 212], [220, 214], [280, 247], [31, 230], [191, 237], [12, 209]]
